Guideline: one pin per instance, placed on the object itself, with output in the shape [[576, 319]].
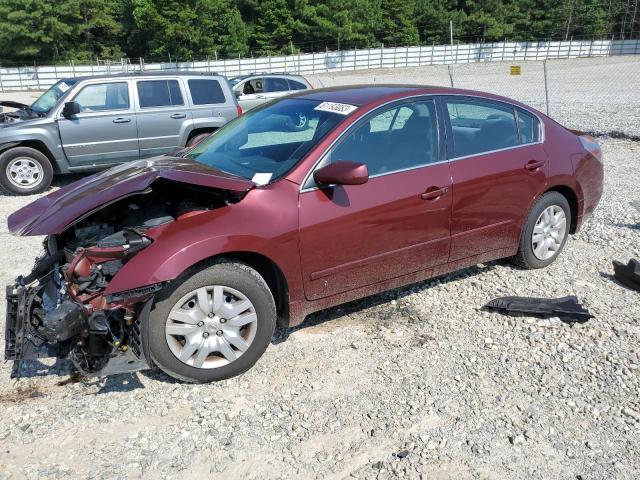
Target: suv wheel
[[299, 122], [196, 139], [24, 171], [212, 325]]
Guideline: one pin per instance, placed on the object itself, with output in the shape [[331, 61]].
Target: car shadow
[[282, 333]]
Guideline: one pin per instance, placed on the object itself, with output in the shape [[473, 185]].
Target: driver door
[[397, 223], [105, 130]]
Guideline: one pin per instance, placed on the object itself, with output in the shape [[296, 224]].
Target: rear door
[[397, 223], [275, 87], [211, 104], [164, 117], [498, 166], [105, 129]]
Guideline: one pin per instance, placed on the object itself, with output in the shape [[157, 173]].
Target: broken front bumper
[[23, 341]]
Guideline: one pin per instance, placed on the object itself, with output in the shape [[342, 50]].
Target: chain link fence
[[599, 95], [41, 77]]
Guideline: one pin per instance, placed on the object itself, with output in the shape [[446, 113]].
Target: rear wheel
[[24, 171], [545, 231], [196, 139], [213, 325]]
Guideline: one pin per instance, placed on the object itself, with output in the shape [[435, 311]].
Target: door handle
[[533, 165], [433, 193], [261, 96], [121, 120], [178, 115]]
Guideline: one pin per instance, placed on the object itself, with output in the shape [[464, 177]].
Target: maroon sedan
[[186, 262]]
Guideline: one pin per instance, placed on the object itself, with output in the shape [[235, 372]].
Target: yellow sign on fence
[[515, 69]]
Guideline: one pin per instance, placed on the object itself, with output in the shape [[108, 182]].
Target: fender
[[179, 245]]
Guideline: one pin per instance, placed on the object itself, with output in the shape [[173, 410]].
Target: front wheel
[[25, 171], [213, 325], [545, 231]]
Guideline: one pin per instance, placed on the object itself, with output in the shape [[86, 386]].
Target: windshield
[[265, 143], [49, 99]]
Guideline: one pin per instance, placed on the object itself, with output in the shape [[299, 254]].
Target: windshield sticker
[[341, 108], [63, 86], [261, 178]]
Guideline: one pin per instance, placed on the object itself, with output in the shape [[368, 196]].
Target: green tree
[[184, 30]]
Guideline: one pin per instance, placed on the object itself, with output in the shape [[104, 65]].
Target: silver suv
[[258, 88], [88, 123]]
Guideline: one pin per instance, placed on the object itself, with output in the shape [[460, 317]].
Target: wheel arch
[[571, 196], [198, 131], [38, 145]]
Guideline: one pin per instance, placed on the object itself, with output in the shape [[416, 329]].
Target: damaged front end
[[61, 310]]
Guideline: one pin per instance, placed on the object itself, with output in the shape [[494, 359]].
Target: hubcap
[[302, 120], [24, 172], [211, 327], [549, 232]]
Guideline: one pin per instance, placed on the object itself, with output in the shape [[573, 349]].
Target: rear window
[[205, 92], [295, 85], [276, 84], [159, 93]]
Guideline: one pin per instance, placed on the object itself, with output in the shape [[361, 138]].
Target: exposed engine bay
[[60, 309]]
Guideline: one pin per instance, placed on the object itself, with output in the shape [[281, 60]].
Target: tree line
[[46, 31]]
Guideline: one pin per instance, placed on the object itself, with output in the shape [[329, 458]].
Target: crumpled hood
[[55, 212]]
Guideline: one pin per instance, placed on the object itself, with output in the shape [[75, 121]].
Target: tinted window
[[295, 85], [204, 92], [103, 96], [159, 93], [275, 84], [480, 126], [528, 125], [397, 138]]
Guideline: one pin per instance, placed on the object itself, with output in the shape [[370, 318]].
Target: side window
[[481, 126], [397, 138], [159, 93], [252, 87], [529, 128], [205, 92], [103, 96], [295, 85], [275, 84]]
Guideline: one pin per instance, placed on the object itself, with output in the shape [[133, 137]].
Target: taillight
[[239, 110], [590, 145]]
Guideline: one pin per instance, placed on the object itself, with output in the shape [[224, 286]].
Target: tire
[[24, 171], [555, 237], [196, 139], [165, 344]]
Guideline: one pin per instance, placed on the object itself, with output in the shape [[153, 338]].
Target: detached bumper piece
[[566, 308], [629, 274]]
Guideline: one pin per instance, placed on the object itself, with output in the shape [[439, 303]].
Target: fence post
[[381, 53], [35, 67], [1, 86], [546, 85], [450, 70]]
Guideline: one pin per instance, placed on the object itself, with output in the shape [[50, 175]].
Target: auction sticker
[[341, 108], [63, 86]]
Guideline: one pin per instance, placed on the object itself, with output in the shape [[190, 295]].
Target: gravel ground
[[415, 383]]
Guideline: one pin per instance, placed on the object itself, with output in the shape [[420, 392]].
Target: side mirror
[[70, 109], [342, 173], [237, 93]]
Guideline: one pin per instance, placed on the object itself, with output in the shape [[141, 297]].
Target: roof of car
[[157, 73], [365, 94]]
